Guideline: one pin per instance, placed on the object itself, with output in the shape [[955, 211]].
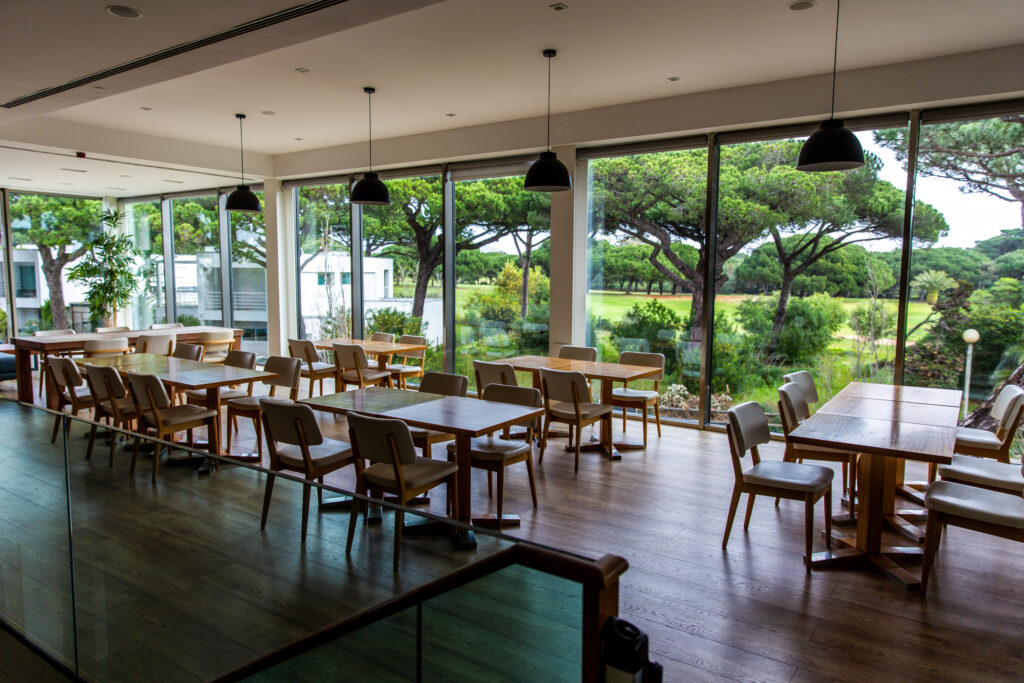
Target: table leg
[[213, 403], [464, 513], [23, 367]]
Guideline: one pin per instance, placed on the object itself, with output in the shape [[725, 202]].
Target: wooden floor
[[750, 613]]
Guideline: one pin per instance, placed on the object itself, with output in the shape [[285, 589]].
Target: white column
[[568, 257], [280, 270]]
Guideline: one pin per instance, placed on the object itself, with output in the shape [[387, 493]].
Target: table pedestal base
[[598, 447], [465, 539], [847, 555], [491, 521]]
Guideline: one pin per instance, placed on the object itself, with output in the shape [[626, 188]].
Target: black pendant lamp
[[242, 199], [548, 174], [832, 147], [370, 189]]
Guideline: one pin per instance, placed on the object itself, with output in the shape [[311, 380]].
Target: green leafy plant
[[394, 321], [107, 270], [931, 282], [811, 323], [189, 320]]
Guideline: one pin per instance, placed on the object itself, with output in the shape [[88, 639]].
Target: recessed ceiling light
[[673, 78], [302, 70], [75, 170], [798, 5], [98, 87], [267, 112], [450, 114], [122, 12], [559, 6], [179, 182], [116, 188], [298, 139], [146, 108], [11, 177], [125, 175], [67, 183]]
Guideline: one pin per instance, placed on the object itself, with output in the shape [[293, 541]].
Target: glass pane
[[503, 230], [249, 279], [35, 569], [403, 257], [62, 226], [197, 283], [645, 262], [807, 268], [6, 301], [324, 262], [972, 173], [144, 225]]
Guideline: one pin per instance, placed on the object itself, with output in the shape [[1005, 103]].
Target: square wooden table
[[886, 425], [382, 350], [607, 373], [463, 417], [187, 374]]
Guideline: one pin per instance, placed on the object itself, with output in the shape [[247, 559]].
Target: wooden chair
[[588, 353], [305, 350], [114, 346], [160, 344], [626, 398], [567, 400], [166, 326], [380, 362], [793, 410], [287, 371], [42, 359], [487, 373], [296, 444], [70, 387], [1007, 410], [233, 359], [403, 371], [970, 507], [984, 473], [112, 404], [188, 351], [395, 469], [352, 367], [748, 429], [118, 328], [154, 410], [216, 345], [445, 384], [494, 454], [806, 382]]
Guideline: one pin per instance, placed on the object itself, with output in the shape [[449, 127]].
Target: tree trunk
[[52, 272], [524, 292], [780, 310], [650, 286], [423, 274], [697, 314]]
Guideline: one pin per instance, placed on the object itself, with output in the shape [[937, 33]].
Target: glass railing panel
[[516, 624], [35, 569]]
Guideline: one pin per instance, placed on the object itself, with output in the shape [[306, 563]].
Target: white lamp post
[[971, 337]]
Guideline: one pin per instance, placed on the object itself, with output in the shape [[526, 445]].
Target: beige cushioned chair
[[445, 384], [160, 344], [806, 382], [119, 328], [588, 353], [1007, 411], [112, 404], [352, 367], [216, 345], [186, 351], [314, 369], [406, 369], [487, 373], [985, 473], [166, 326], [625, 398], [114, 346], [286, 376], [567, 400], [70, 387]]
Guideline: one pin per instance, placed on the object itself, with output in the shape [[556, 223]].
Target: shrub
[[394, 321], [810, 324], [188, 320], [655, 322], [874, 320]]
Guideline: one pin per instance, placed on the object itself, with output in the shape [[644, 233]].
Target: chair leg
[[267, 493], [657, 416], [353, 515], [399, 523], [750, 508], [529, 474], [545, 426], [846, 468], [259, 437], [933, 470], [623, 419], [736, 493], [579, 439], [92, 440], [932, 534], [645, 426], [56, 428], [852, 492], [135, 454], [501, 493], [320, 492], [156, 457], [453, 492], [808, 529], [490, 485], [113, 446], [231, 418], [828, 518], [305, 509]]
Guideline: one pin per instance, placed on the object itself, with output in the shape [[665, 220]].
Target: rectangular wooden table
[[886, 425], [607, 373], [376, 348], [463, 417], [187, 374], [25, 347]]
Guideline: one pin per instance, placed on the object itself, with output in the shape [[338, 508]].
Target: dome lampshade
[[833, 147], [370, 189], [548, 174]]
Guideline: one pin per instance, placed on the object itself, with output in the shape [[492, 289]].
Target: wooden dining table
[[26, 347], [461, 416], [886, 425], [187, 374], [382, 350], [607, 373]]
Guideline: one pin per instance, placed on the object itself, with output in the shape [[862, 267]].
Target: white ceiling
[[478, 59]]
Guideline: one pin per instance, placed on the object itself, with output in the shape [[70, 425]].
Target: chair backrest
[[747, 428], [144, 385], [509, 393], [65, 372], [578, 353], [188, 351], [303, 349], [114, 346], [382, 337], [413, 339], [240, 359], [1007, 408], [119, 328], [806, 382], [558, 386], [350, 356], [51, 333], [104, 381], [165, 326], [792, 406], [371, 439], [488, 373], [162, 344], [283, 420], [645, 359], [444, 383], [216, 341], [287, 370]]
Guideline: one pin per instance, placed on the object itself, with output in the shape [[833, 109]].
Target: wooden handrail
[[599, 579]]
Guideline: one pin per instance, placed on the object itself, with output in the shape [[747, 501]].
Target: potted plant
[[107, 270]]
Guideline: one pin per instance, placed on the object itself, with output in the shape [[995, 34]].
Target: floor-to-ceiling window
[[324, 267], [807, 271], [645, 263], [247, 233], [197, 266], [502, 270], [144, 226], [403, 258], [49, 234]]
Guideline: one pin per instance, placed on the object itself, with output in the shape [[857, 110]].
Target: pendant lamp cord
[[835, 57], [241, 148], [549, 104], [369, 114]]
